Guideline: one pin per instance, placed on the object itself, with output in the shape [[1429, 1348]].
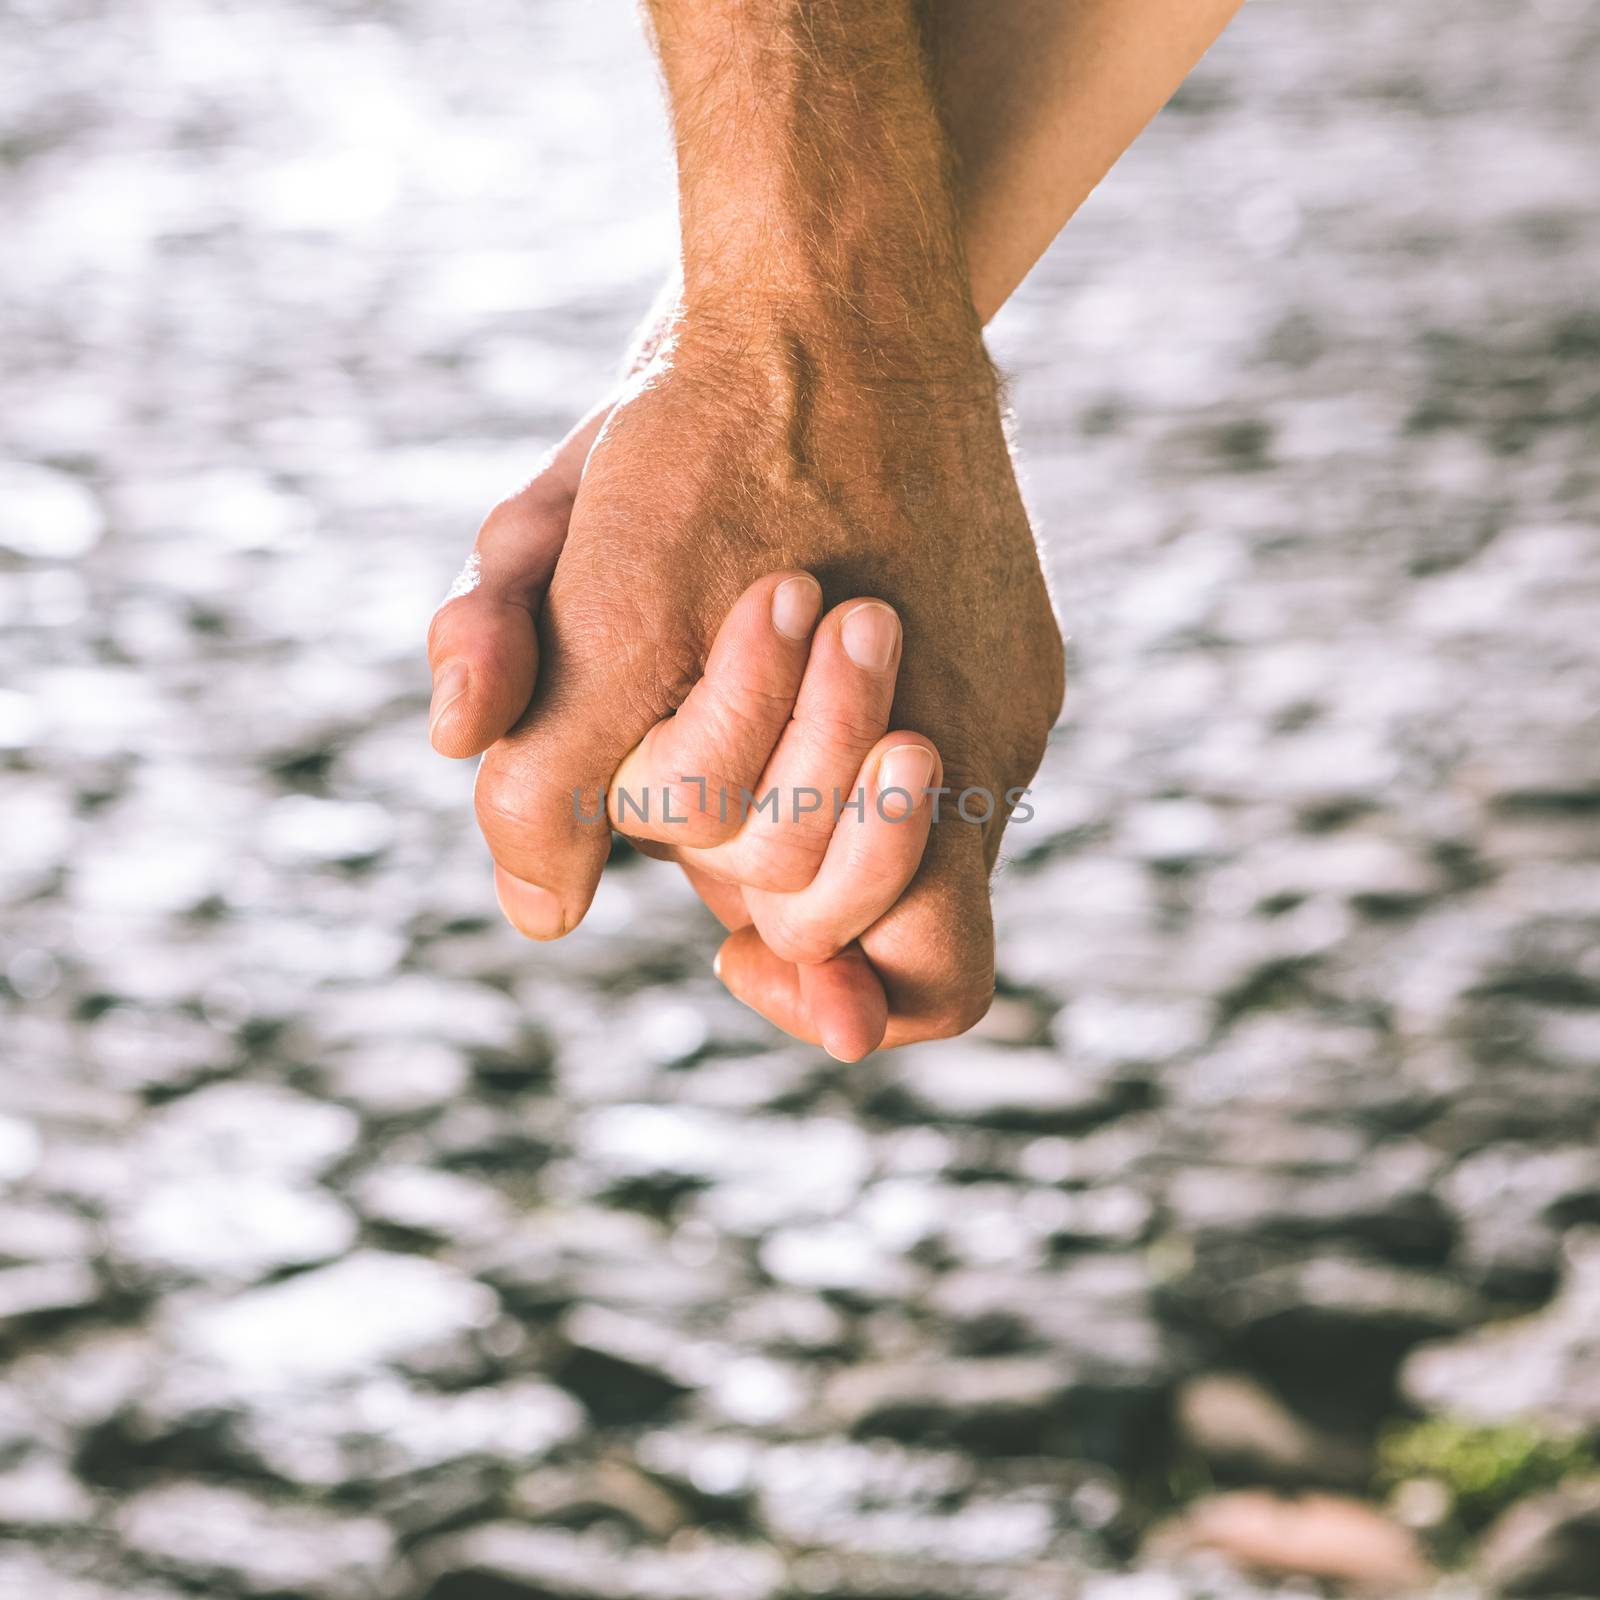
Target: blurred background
[[352, 1249]]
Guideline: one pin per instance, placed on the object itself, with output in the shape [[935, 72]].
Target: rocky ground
[[352, 1250]]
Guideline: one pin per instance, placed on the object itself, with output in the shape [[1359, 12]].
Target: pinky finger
[[839, 1004]]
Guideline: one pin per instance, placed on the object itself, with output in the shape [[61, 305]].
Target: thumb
[[483, 648]]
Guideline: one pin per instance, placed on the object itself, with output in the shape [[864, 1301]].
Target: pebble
[[1547, 1545], [45, 1290], [383, 1428], [1545, 1366], [336, 1322], [1315, 1536], [514, 1562], [46, 515], [215, 1229], [991, 1086], [997, 1405], [1245, 1433], [231, 1538], [41, 1494], [242, 1127]]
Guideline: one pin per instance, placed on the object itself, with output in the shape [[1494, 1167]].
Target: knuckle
[[847, 730], [510, 515], [436, 627], [800, 940], [1031, 740], [742, 727], [697, 818], [503, 798], [758, 704], [450, 617], [783, 862], [610, 619], [963, 1010], [876, 880]]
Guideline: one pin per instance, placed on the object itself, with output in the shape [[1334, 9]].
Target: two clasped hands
[[789, 556]]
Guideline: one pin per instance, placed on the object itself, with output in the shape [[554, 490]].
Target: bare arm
[[1041, 97]]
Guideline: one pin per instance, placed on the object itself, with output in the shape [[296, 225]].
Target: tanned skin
[[860, 183]]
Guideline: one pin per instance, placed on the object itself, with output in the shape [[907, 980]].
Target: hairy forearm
[[814, 169], [1040, 98]]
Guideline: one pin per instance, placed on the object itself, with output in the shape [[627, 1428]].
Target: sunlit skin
[[859, 189]]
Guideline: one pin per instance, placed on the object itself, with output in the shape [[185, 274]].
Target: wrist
[[813, 167], [826, 352]]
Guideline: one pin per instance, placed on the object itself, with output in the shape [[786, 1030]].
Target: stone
[[999, 1406], [511, 1561], [553, 1258], [384, 1428], [231, 1539], [839, 1258], [1544, 1367], [703, 1146], [27, 1574], [1546, 1545], [399, 1078], [19, 1148], [1374, 874], [79, 1379], [45, 1291], [1097, 1308], [1333, 1324], [1513, 1201], [431, 1205], [1172, 834], [1246, 1434], [35, 1232], [760, 1170], [887, 1501], [46, 515], [1036, 1091], [1315, 1536], [472, 1016], [302, 829], [1099, 1029], [335, 1322], [215, 1228], [626, 1368], [612, 1489], [40, 1495], [242, 1127], [152, 1049], [1384, 1199], [752, 1391], [804, 1326]]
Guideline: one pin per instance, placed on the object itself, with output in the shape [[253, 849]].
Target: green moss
[[1485, 1469]]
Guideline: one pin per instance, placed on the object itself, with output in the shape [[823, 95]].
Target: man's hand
[[824, 402], [750, 447]]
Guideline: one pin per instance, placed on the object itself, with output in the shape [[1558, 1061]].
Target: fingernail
[[908, 767], [870, 633], [449, 685], [532, 911], [716, 965], [795, 604]]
